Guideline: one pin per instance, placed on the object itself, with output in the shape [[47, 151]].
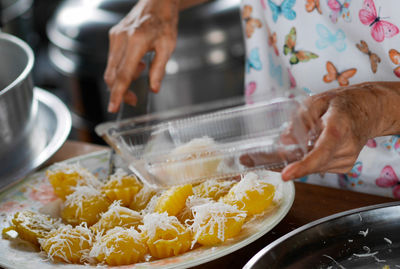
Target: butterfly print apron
[[304, 47]]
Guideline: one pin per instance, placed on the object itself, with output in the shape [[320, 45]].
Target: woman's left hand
[[347, 118]]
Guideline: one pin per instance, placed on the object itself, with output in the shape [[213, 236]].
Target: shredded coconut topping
[[388, 240], [64, 237], [116, 234], [332, 259], [249, 182], [192, 201], [117, 179], [213, 214], [81, 193], [115, 211], [154, 221], [37, 221], [88, 177], [218, 187], [133, 20], [363, 233]]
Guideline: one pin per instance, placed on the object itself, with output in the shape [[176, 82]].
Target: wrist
[[184, 4], [389, 113]]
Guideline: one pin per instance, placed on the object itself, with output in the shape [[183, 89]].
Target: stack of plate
[[33, 123]]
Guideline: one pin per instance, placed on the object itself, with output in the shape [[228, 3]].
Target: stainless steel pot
[[17, 109], [16, 18], [366, 237]]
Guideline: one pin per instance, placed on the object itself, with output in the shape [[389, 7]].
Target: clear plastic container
[[216, 140]]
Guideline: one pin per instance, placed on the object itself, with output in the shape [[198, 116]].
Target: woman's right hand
[[150, 26]]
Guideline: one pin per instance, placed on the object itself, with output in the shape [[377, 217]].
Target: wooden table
[[311, 203]]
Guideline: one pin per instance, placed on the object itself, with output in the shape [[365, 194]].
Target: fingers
[[316, 158], [260, 158], [126, 72], [115, 53], [157, 70], [130, 98]]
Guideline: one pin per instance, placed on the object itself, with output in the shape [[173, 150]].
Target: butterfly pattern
[[312, 5], [253, 61], [371, 143], [342, 77], [393, 143], [352, 178], [250, 90], [275, 71], [327, 38], [339, 9], [389, 179], [296, 56], [251, 23], [272, 40], [373, 57], [292, 80], [285, 9], [325, 44], [394, 56], [380, 29]]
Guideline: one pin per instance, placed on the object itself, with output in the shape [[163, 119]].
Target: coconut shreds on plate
[[213, 214], [334, 261], [206, 212], [364, 233]]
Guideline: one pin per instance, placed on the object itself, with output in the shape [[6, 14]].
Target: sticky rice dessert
[[194, 160]]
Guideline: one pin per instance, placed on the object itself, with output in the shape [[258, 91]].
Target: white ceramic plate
[[35, 191]]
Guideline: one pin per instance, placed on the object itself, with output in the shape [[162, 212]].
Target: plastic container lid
[[216, 140]]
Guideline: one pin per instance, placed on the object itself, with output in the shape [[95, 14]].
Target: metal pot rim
[[16, 9], [253, 261], [28, 68]]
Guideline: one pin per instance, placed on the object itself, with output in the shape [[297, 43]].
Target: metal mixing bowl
[[17, 106]]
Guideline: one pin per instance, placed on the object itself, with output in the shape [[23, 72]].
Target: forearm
[[184, 4], [389, 122], [374, 107]]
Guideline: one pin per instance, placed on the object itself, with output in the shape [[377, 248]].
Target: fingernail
[[111, 108], [156, 87]]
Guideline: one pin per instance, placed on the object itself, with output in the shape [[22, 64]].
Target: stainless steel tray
[[51, 128], [368, 237]]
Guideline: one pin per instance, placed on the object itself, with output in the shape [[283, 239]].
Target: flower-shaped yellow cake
[[84, 205], [63, 177], [251, 194], [68, 244], [117, 215], [122, 186], [215, 222], [119, 246], [165, 235], [173, 200], [31, 226]]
